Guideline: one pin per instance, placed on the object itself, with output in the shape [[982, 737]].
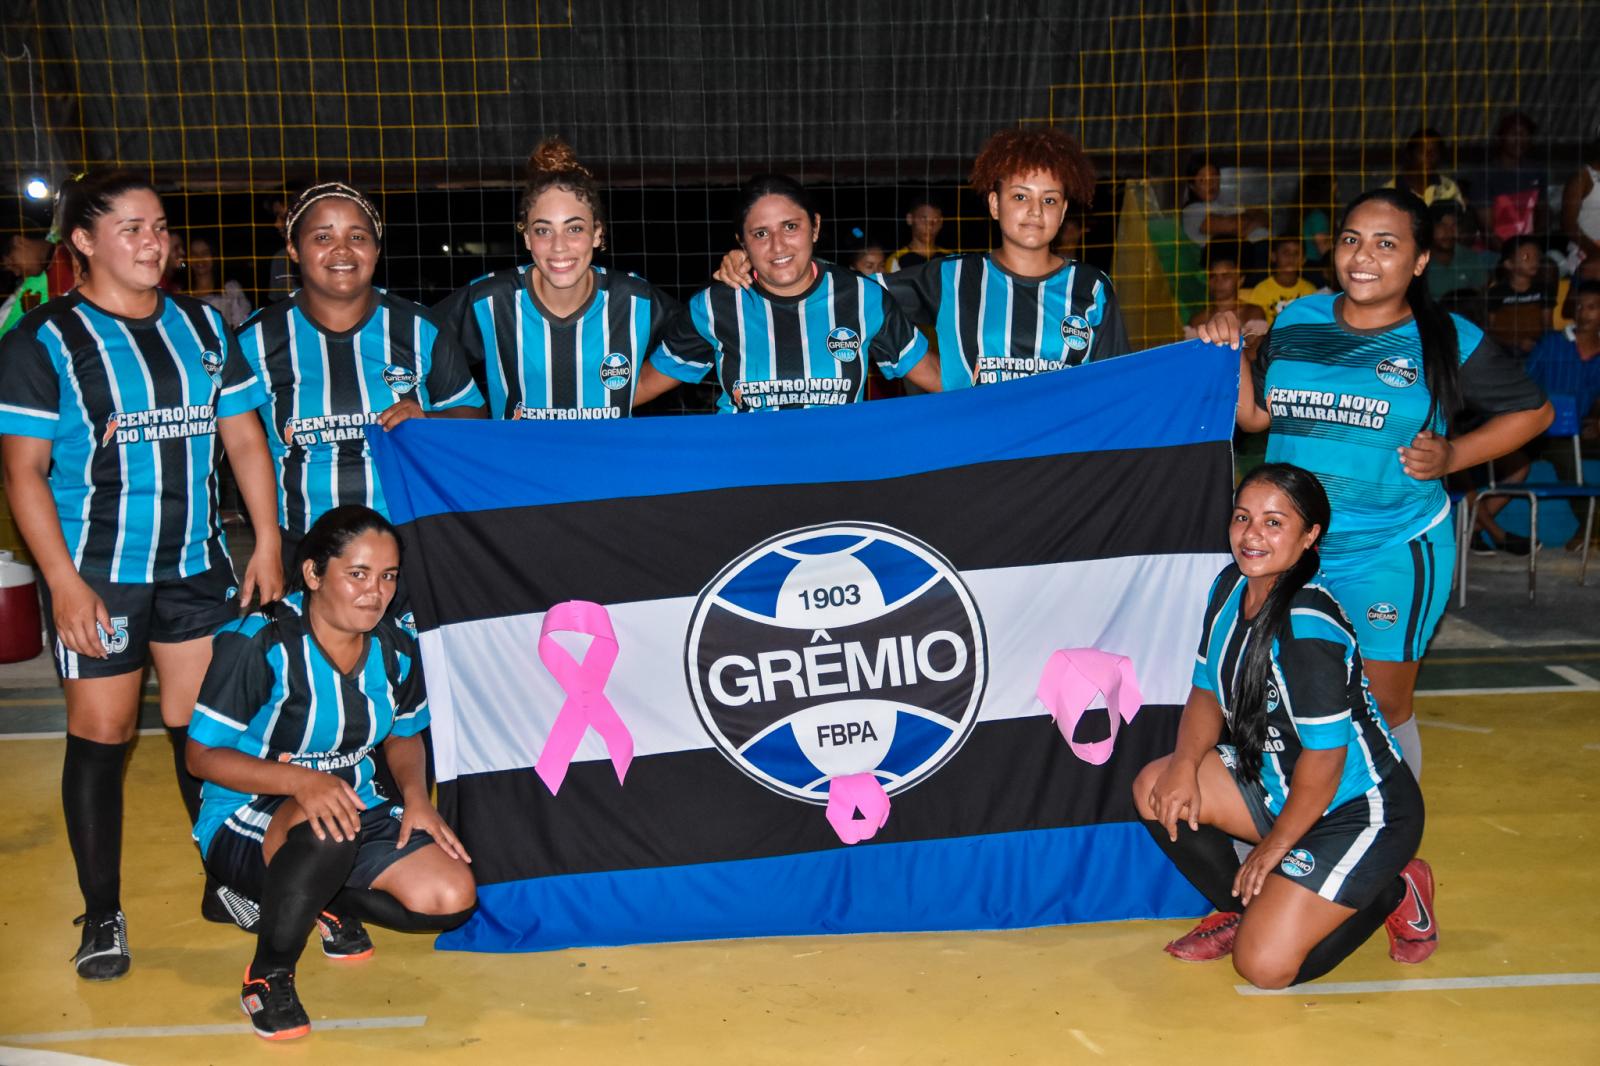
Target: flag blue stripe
[[1171, 396], [1093, 873]]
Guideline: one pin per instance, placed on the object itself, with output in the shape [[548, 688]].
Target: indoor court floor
[[1512, 735]]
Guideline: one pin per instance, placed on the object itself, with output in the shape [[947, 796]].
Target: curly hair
[[552, 165], [1019, 151]]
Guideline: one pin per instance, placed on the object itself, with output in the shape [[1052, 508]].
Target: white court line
[[1530, 690], [1576, 676], [1435, 984], [67, 1036], [1457, 726], [62, 735]]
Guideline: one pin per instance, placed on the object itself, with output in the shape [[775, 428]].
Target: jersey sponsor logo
[[328, 429], [212, 361], [1398, 372], [402, 379], [523, 413], [793, 392], [844, 344], [838, 649], [993, 368], [325, 760], [1382, 615], [1075, 330], [615, 371], [1274, 741], [407, 622], [116, 641], [160, 423], [1312, 405], [1298, 863]]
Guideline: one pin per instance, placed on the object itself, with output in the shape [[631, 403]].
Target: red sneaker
[[1210, 940], [1413, 928]]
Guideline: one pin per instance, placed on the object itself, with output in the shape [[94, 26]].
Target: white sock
[[1410, 743]]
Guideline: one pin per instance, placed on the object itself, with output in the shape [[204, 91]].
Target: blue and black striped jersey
[[130, 407], [1343, 402], [325, 388], [271, 693], [585, 365], [775, 352], [992, 325], [1317, 696]]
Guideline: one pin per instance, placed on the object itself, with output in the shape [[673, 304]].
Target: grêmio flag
[[656, 648]]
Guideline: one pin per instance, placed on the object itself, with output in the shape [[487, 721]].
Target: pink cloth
[[1072, 678], [852, 793], [584, 683]]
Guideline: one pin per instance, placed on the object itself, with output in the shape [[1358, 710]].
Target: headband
[[332, 190]]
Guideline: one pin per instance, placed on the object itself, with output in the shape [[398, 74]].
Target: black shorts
[[234, 857], [1355, 850], [162, 612]]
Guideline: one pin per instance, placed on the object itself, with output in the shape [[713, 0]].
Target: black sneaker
[[343, 938], [103, 955], [224, 906], [1483, 544], [273, 1007]]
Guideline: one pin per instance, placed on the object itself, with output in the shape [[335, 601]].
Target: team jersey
[[130, 407], [775, 352], [1317, 696], [270, 692], [1343, 402], [325, 388], [993, 325], [585, 365]]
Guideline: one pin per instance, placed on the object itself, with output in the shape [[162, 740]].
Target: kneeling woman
[[1312, 777], [294, 702]]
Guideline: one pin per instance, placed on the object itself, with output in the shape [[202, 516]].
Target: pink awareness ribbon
[[852, 793], [1071, 679], [584, 683]]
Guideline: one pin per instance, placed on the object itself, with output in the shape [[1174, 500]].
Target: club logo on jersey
[[402, 379], [837, 649], [233, 590], [1076, 332], [212, 361], [1272, 696], [1398, 372], [615, 371], [407, 622], [1298, 863], [1382, 615], [844, 344]]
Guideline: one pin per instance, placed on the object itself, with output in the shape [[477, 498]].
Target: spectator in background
[[1509, 192], [1419, 170], [1069, 240], [1224, 277], [1204, 218], [282, 277], [205, 283], [925, 219], [1520, 303], [1567, 363], [1285, 284], [1456, 271], [866, 256], [1580, 209], [176, 275], [1565, 312], [26, 259], [1315, 211]]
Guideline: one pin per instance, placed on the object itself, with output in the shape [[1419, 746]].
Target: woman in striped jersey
[[563, 338], [800, 333], [339, 355], [117, 402], [1019, 309], [1311, 775]]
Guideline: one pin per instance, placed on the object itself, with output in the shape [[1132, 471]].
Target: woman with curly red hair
[[1019, 309]]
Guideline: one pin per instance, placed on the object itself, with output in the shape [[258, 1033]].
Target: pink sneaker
[[1413, 928], [1210, 940]]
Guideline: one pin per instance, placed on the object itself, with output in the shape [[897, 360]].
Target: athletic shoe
[[224, 906], [343, 938], [1413, 928], [103, 955], [273, 1007], [1210, 940], [1483, 544]]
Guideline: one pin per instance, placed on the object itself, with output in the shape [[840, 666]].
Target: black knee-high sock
[[302, 877], [1337, 946], [1205, 857], [91, 798], [188, 784], [378, 907]]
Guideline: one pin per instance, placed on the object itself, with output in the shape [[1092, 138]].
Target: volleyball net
[[433, 105]]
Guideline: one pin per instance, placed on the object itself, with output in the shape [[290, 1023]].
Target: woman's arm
[[1311, 789], [330, 804], [407, 763], [1176, 793], [1432, 456], [1578, 187], [927, 375], [246, 444]]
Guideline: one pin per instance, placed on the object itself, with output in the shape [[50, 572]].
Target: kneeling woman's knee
[[456, 893], [1143, 782], [1264, 967]]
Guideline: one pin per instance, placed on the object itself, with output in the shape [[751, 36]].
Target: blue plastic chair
[[1567, 423]]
